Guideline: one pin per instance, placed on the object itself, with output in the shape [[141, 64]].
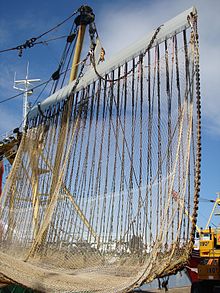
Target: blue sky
[[119, 23]]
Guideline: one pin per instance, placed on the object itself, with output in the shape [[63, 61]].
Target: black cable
[[50, 40], [10, 49], [32, 41], [38, 97], [63, 59], [58, 25], [70, 58], [202, 199]]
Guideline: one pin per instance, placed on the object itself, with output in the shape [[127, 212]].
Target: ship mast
[[27, 84], [85, 18]]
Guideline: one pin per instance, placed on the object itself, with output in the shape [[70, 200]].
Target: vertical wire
[[159, 193], [169, 132], [110, 204], [82, 164], [81, 190], [113, 189], [105, 223], [40, 165], [122, 179], [179, 109], [82, 198], [80, 154], [54, 125], [131, 185], [101, 154], [58, 157], [73, 159], [80, 150], [55, 219], [99, 213], [94, 185], [99, 161], [171, 152], [148, 193], [23, 190], [186, 89], [64, 201], [139, 219], [54, 194], [69, 174], [93, 193], [34, 165], [127, 203], [26, 191], [151, 134]]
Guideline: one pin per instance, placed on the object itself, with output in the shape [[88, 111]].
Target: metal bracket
[[86, 16]]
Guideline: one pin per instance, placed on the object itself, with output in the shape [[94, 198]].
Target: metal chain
[[197, 181], [93, 61]]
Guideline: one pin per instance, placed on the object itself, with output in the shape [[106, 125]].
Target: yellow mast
[[78, 50], [86, 17]]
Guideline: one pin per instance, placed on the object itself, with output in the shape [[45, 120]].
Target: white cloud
[[122, 25]]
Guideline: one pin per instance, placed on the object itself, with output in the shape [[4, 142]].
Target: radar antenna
[[27, 92]]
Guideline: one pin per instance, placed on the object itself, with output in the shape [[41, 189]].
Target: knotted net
[[103, 192]]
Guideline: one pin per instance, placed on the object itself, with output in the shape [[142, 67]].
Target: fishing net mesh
[[101, 194]]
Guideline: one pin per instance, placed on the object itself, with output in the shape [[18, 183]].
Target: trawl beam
[[168, 30]]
